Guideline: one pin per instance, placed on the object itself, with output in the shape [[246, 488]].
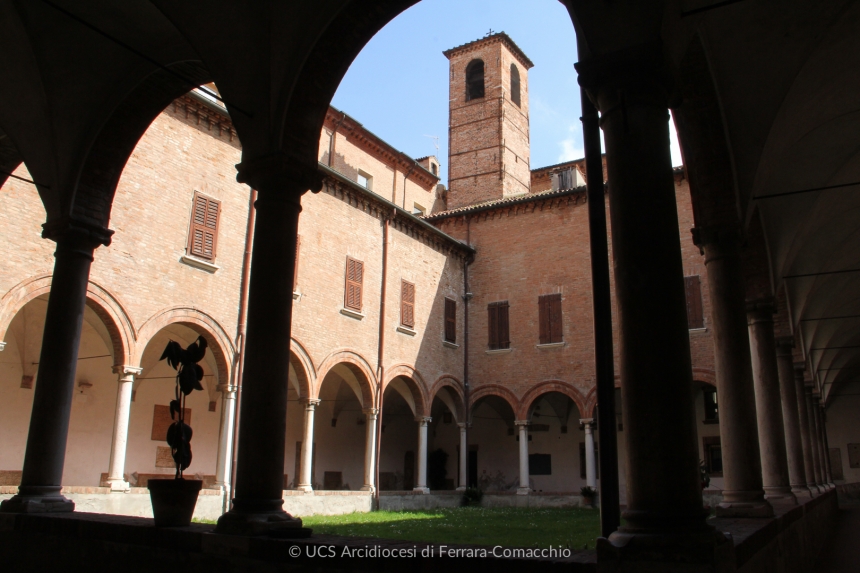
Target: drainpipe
[[380, 369], [331, 143], [240, 334], [467, 415]]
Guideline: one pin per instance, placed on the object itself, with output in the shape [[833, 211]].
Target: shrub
[[472, 496]]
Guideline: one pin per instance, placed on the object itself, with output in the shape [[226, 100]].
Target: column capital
[[76, 236], [310, 402], [124, 370], [423, 420], [521, 423], [760, 310], [2, 346], [279, 175], [227, 388], [720, 239], [463, 425], [586, 421], [784, 345], [371, 413]]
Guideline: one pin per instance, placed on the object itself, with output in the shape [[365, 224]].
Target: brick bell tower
[[488, 121]]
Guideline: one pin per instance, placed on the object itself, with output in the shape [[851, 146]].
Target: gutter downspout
[[466, 296], [380, 368], [240, 334]]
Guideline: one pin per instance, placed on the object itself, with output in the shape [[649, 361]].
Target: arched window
[[475, 80], [515, 85]]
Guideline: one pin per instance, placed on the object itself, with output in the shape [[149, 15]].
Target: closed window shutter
[[556, 331], [693, 290], [407, 304], [296, 264], [354, 279], [203, 238], [493, 325], [450, 320], [504, 336], [544, 319]]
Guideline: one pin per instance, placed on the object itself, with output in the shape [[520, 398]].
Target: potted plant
[[173, 500], [587, 492]]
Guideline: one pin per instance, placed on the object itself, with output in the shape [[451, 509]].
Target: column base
[[305, 488], [781, 495], [801, 493], [368, 487], [523, 491], [263, 517], [421, 489], [37, 499], [759, 508], [118, 485], [461, 488], [706, 551]]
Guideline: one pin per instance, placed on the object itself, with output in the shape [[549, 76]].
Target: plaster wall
[[842, 429]]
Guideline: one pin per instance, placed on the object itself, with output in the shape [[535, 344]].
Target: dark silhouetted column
[[771, 433], [52, 401], [258, 502], [822, 449], [791, 418], [813, 441], [804, 426]]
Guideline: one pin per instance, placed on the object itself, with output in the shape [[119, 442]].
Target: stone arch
[[705, 375], [358, 366], [414, 383], [106, 306], [495, 390], [220, 345], [303, 366], [119, 135], [538, 390], [591, 401], [448, 381]]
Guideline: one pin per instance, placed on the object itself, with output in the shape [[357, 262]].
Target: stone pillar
[[45, 453], [791, 418], [523, 433], [464, 458], [372, 415], [743, 495], [590, 471], [305, 480], [826, 442], [422, 455], [665, 520], [258, 501], [813, 441], [805, 437], [225, 437], [771, 432], [119, 439], [822, 450]]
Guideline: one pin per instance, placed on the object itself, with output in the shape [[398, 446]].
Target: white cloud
[[571, 148]]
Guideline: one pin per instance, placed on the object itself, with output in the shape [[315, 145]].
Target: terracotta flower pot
[[173, 500]]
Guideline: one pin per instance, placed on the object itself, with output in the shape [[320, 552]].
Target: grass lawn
[[573, 528]]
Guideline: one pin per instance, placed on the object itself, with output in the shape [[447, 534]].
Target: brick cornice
[[215, 120]]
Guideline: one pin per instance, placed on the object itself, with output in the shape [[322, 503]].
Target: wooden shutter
[[493, 325], [504, 336], [296, 266], [203, 236], [549, 317], [543, 319], [450, 320], [354, 279], [407, 304], [693, 290]]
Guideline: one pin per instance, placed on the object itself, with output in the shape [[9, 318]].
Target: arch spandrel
[[357, 370]]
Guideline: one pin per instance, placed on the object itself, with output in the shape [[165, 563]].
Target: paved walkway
[[842, 552]]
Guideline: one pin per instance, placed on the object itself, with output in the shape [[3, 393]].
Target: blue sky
[[398, 85]]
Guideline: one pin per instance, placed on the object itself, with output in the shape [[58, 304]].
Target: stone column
[[305, 480], [791, 418], [45, 453], [664, 514], [372, 415], [590, 472], [826, 442], [523, 433], [805, 437], [119, 439], [771, 432], [422, 455], [258, 501], [813, 441], [822, 451], [743, 495], [464, 458], [225, 437]]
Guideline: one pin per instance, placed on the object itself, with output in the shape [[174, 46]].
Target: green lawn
[[509, 527]]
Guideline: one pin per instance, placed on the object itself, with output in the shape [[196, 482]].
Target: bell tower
[[488, 121]]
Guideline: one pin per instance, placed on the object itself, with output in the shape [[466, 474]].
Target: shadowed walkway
[[842, 552]]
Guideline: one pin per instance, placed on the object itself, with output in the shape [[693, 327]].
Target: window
[[713, 455], [203, 235], [564, 180], [693, 290], [540, 464], [296, 264], [450, 320], [407, 304], [365, 180], [418, 210], [475, 80], [549, 316], [354, 279], [711, 409], [497, 321], [434, 169], [515, 85]]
